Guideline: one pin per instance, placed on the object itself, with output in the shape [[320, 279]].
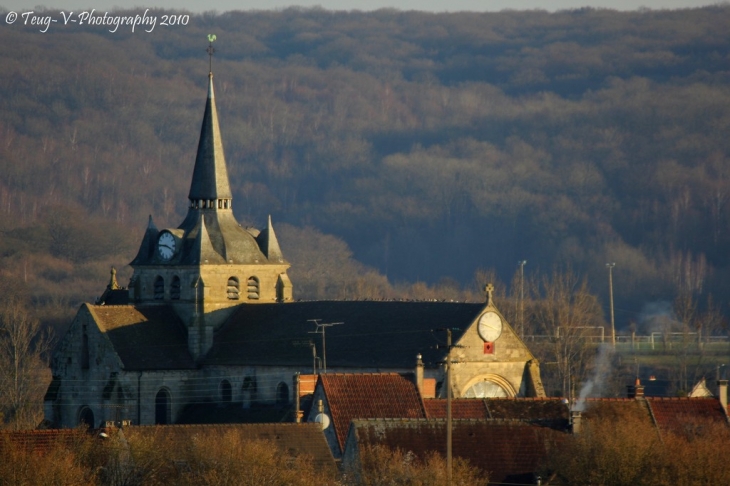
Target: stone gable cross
[[489, 289]]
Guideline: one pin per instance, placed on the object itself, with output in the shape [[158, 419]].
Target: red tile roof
[[462, 408], [40, 441], [369, 395], [686, 415], [507, 450]]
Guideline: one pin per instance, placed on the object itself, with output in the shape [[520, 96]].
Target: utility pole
[[321, 327], [449, 346], [610, 293], [448, 408], [522, 264]]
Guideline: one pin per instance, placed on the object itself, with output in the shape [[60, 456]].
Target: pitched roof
[[686, 415], [374, 334], [292, 439], [550, 412], [369, 395], [507, 450], [210, 176], [145, 337], [40, 441], [461, 408]]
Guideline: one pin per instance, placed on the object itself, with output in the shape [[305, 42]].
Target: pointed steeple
[[210, 176], [147, 248], [202, 251], [269, 244]]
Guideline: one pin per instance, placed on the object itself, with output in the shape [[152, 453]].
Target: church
[[208, 317]]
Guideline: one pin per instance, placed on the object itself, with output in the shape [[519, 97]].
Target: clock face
[[166, 245], [490, 326]]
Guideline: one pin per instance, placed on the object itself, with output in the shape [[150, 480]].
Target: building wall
[[506, 365]]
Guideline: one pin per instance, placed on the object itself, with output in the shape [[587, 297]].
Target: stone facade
[[208, 318]]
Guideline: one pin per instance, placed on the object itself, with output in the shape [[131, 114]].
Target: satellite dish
[[323, 419]]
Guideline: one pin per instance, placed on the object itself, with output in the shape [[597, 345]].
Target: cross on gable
[[489, 289]]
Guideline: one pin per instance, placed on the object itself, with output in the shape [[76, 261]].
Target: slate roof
[[210, 236], [509, 451], [375, 334], [369, 395], [292, 439], [549, 412], [148, 337], [210, 176]]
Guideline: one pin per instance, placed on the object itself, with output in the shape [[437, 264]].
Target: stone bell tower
[[209, 264]]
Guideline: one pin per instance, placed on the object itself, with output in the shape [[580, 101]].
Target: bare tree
[[569, 315], [23, 350]]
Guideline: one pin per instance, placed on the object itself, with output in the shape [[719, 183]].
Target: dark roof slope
[[509, 451], [550, 412], [369, 395], [374, 334], [145, 337]]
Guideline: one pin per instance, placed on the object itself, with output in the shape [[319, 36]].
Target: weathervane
[[210, 50]]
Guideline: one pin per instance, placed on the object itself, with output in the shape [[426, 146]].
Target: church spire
[[210, 187]]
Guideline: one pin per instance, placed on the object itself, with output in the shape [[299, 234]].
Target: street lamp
[[522, 264], [610, 293]]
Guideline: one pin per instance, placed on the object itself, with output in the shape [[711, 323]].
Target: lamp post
[[610, 293], [522, 264]]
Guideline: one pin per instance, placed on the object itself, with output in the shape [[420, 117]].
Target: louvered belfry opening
[[253, 288], [233, 288]]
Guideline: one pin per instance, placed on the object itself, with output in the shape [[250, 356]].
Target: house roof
[[686, 415], [374, 334], [40, 441], [509, 451], [550, 412], [369, 395], [293, 439], [145, 337], [461, 408]]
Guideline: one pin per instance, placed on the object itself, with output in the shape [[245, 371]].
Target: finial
[[113, 285], [210, 50], [489, 289]]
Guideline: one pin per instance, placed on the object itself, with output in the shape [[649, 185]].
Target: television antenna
[[321, 328]]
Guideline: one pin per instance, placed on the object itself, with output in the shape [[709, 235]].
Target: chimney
[[575, 421], [636, 390], [722, 393], [419, 374]]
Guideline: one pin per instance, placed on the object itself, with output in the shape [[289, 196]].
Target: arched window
[[253, 288], [159, 288], [163, 407], [86, 417], [490, 386], [233, 288], [282, 394], [175, 288], [226, 391]]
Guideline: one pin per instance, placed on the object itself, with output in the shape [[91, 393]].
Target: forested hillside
[[402, 147]]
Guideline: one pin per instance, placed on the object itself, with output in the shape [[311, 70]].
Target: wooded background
[[400, 154]]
